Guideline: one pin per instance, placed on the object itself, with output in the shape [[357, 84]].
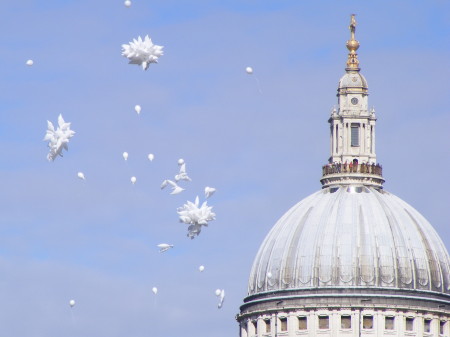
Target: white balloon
[[221, 298], [72, 303], [151, 156], [201, 268], [182, 175], [249, 70], [127, 3], [218, 292], [125, 155], [81, 175], [133, 180], [209, 191], [180, 161], [30, 63], [175, 188], [138, 109], [164, 247], [155, 290], [142, 52], [58, 138]]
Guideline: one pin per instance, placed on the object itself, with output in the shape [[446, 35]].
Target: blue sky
[[95, 241]]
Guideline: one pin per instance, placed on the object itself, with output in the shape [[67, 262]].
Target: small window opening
[[355, 135], [442, 327], [268, 328], [324, 322], [409, 324], [368, 322], [302, 323], [371, 139], [427, 325], [346, 322], [389, 322], [283, 324], [337, 138]]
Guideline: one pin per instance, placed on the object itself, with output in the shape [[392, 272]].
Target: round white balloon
[[249, 70], [72, 303], [218, 291], [127, 3], [151, 156], [155, 290], [81, 175], [180, 161], [30, 63], [201, 268], [138, 109], [133, 180], [125, 155]]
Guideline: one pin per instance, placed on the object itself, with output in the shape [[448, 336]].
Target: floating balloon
[[163, 247], [58, 138], [81, 175], [133, 180], [125, 155], [221, 298], [182, 175], [201, 268], [142, 52], [249, 70], [72, 303], [209, 191], [30, 63], [138, 109], [180, 161], [127, 3], [196, 216], [175, 188], [218, 291], [155, 290], [151, 156]]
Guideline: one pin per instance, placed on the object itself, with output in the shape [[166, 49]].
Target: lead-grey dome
[[352, 79], [351, 236]]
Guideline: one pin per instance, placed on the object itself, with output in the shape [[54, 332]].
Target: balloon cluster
[[142, 52], [195, 216], [58, 139]]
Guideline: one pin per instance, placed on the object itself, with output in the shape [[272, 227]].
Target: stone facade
[[347, 322]]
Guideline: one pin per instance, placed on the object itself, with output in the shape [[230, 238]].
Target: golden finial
[[352, 46]]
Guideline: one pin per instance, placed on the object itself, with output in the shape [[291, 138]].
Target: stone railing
[[339, 168]]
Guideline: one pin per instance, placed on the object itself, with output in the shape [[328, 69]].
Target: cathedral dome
[[350, 259], [351, 237]]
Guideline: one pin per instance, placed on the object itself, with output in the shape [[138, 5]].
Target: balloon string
[[258, 85], [73, 317]]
